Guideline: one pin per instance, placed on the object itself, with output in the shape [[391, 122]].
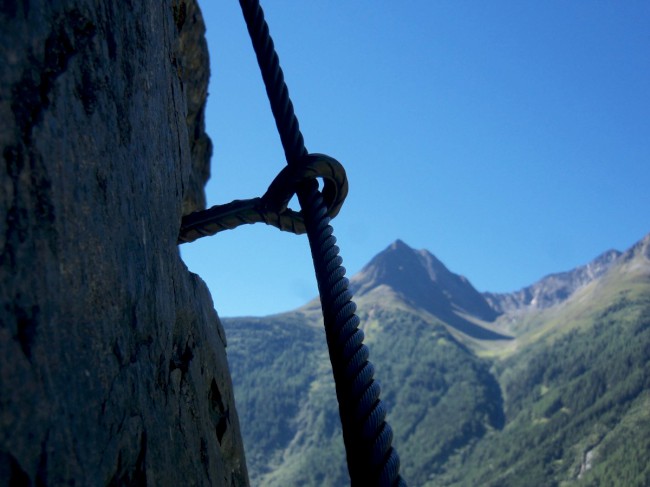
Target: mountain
[[422, 281], [286, 398], [637, 258], [548, 386]]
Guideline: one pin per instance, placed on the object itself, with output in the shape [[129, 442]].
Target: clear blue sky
[[510, 139]]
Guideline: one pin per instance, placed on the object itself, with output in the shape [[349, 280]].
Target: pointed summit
[[398, 267], [399, 245], [424, 282]]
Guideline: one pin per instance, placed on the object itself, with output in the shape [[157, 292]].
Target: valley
[[549, 385]]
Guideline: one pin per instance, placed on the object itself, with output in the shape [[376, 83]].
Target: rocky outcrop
[[113, 364], [194, 68]]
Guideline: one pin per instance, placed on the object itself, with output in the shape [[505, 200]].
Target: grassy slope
[[440, 395], [268, 360]]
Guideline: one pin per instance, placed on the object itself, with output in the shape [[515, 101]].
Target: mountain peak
[[395, 266], [399, 244], [423, 281], [398, 250], [636, 259]]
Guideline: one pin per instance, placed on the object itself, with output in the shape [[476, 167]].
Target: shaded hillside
[[273, 362], [440, 395]]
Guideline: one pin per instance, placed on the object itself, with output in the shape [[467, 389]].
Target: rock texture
[[194, 66], [113, 364]]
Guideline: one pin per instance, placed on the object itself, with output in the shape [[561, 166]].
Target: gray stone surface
[[113, 366]]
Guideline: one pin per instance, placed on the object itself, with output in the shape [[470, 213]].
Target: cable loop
[[312, 166], [272, 207], [371, 458]]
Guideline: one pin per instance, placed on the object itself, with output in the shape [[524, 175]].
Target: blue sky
[[510, 139]]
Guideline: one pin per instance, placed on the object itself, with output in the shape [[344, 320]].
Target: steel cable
[[367, 436], [371, 459]]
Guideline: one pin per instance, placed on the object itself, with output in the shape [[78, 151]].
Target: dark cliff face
[[113, 365]]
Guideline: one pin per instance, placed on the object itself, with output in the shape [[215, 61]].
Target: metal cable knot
[[272, 208]]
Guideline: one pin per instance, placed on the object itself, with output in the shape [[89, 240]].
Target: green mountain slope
[[541, 395], [441, 396], [577, 389], [577, 409], [274, 363], [286, 400]]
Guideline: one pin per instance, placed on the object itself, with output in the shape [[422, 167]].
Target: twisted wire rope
[[371, 459], [367, 436]]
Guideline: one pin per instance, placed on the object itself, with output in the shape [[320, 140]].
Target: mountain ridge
[[557, 287], [553, 288], [457, 291]]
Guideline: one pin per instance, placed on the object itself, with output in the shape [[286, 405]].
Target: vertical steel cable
[[367, 436]]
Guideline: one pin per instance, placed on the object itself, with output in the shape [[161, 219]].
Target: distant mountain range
[[548, 386]]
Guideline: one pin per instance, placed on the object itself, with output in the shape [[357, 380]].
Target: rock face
[[113, 367]]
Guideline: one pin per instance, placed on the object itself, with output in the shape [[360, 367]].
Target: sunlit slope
[[576, 408], [576, 385], [613, 277]]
